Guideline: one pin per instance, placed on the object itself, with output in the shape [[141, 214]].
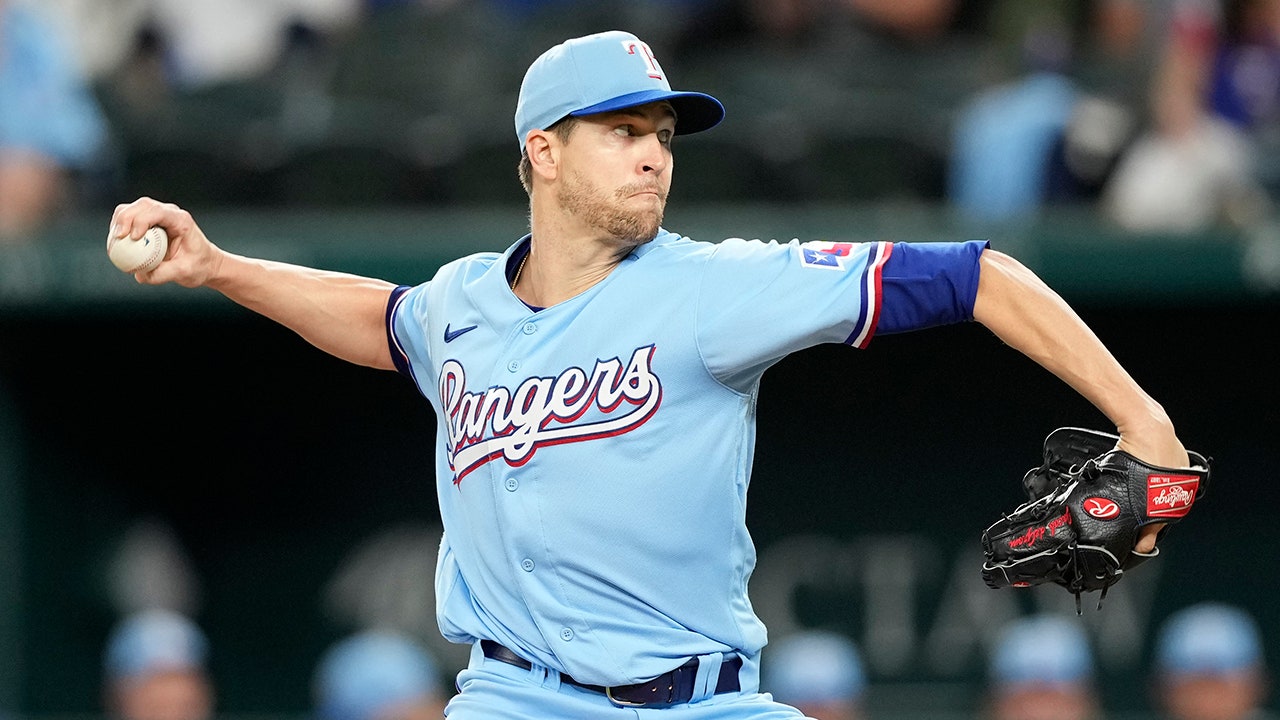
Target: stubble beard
[[600, 210]]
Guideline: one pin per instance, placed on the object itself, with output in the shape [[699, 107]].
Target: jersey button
[[530, 328], [566, 634], [527, 565], [512, 484], [514, 365]]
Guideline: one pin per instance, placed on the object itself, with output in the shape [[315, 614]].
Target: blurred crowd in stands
[[1202, 661], [156, 667], [1163, 115], [1207, 664]]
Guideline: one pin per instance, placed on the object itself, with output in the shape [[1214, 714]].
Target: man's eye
[[624, 130], [664, 136]]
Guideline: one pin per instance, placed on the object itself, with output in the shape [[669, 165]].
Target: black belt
[[670, 688]]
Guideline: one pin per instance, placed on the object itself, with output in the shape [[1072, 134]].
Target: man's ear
[[543, 149]]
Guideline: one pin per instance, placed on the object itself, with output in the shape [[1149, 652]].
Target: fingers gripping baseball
[[190, 259]]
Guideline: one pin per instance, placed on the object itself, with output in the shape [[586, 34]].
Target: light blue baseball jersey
[[593, 457]]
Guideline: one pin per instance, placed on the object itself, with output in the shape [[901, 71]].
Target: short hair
[[562, 128]]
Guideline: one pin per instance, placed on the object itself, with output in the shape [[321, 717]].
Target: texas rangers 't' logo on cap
[[600, 73]]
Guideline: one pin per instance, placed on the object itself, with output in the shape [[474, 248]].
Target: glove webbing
[[1075, 586]]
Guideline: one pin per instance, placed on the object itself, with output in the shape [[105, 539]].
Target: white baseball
[[140, 255]]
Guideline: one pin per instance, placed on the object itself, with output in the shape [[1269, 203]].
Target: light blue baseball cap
[[813, 667], [1208, 639], [601, 73], [372, 671], [1042, 650], [154, 641]]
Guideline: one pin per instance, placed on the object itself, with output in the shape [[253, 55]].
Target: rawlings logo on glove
[[1088, 505]]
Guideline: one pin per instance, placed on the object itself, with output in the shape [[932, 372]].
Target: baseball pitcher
[[595, 389]]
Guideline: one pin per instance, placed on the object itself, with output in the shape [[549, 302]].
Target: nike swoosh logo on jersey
[[451, 335]]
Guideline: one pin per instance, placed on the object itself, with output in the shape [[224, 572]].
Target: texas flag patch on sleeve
[[825, 255]]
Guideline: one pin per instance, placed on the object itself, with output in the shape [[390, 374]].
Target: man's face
[[617, 172], [1044, 702], [1211, 697], [175, 695], [831, 710]]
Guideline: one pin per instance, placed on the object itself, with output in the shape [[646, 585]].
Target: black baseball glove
[[1088, 504]]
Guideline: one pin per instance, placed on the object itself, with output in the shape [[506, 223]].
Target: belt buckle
[[672, 680], [619, 702]]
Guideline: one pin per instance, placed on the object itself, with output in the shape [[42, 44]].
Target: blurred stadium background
[[164, 446]]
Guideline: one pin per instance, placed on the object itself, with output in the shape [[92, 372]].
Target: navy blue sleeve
[[397, 353], [929, 284]]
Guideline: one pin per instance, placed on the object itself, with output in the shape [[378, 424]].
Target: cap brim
[[695, 111]]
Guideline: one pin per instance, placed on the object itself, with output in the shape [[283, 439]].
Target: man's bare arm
[[342, 314], [1027, 315]]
